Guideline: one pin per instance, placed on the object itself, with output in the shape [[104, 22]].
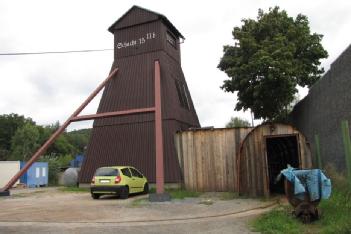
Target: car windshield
[[106, 172]]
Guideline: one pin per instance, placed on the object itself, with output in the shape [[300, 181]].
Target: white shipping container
[[7, 170]]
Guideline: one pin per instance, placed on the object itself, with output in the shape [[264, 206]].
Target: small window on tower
[[171, 39], [182, 94]]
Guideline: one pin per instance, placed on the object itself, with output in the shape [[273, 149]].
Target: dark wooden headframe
[[75, 118]]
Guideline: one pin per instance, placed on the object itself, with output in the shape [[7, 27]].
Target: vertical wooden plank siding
[[208, 158], [233, 159], [252, 160]]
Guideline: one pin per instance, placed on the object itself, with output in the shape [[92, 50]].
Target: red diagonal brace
[[112, 114], [58, 132]]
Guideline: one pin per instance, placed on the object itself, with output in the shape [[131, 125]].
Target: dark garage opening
[[281, 151]]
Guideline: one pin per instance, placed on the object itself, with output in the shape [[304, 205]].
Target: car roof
[[116, 167]]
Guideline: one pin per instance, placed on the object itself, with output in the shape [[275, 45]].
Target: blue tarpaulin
[[311, 181]]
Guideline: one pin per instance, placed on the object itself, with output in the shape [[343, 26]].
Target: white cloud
[[49, 88]]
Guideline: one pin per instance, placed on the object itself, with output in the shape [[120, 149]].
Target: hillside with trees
[[20, 137]]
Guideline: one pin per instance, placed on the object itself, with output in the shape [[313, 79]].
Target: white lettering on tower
[[135, 42]]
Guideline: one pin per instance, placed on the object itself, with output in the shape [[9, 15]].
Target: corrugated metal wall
[[130, 139], [320, 114], [253, 167], [208, 158]]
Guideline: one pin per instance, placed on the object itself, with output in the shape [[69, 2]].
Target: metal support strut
[[160, 194], [58, 132]]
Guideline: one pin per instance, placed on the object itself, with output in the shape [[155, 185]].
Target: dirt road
[[55, 211]]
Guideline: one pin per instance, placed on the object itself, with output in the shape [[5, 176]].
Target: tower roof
[[138, 15]]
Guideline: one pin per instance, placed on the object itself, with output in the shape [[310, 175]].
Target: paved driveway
[[53, 211]]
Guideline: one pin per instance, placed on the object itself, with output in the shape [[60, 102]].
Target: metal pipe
[[58, 132], [158, 131]]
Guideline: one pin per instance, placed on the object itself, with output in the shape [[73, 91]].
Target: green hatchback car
[[120, 180]]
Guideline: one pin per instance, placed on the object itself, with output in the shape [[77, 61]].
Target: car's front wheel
[[124, 193], [95, 196]]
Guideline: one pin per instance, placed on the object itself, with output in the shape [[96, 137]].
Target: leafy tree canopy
[[20, 137], [236, 122], [24, 142], [9, 123], [270, 57]]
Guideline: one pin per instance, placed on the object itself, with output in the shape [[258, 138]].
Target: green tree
[[79, 139], [54, 168], [236, 122], [9, 123], [24, 142], [270, 57], [283, 116], [61, 146]]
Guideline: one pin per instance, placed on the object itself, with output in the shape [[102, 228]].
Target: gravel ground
[[49, 210]]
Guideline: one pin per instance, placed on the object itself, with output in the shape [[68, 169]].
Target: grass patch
[[181, 193], [279, 220], [335, 213], [228, 196], [177, 193], [139, 202], [74, 189]]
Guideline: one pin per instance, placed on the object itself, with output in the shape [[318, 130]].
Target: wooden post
[[318, 151], [347, 145]]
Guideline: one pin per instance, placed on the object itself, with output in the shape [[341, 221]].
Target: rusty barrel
[[305, 209]]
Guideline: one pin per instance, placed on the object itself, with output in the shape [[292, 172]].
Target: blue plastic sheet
[[311, 181]]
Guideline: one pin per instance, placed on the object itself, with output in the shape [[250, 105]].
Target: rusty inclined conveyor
[[74, 118], [304, 190]]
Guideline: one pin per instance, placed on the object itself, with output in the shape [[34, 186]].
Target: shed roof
[[145, 16]]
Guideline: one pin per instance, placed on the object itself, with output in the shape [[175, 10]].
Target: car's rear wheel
[[124, 193], [146, 188], [95, 196]]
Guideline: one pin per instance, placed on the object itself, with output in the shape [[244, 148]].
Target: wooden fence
[[208, 160]]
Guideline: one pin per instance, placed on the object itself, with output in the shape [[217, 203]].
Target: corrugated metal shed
[[36, 176], [141, 37]]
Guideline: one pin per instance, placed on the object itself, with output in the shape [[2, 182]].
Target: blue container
[[36, 175], [77, 162]]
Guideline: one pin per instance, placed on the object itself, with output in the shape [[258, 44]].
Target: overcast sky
[[48, 88]]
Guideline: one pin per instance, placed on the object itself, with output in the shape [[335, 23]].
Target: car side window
[[135, 173], [126, 172]]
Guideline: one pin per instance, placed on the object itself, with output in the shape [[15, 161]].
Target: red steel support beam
[[158, 131], [112, 114], [58, 132]]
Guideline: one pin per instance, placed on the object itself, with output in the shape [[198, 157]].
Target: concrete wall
[[7, 170], [322, 110]]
